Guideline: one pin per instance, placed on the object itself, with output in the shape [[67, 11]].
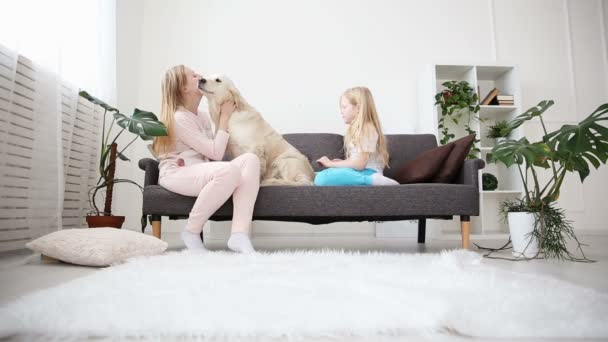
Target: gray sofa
[[319, 205]]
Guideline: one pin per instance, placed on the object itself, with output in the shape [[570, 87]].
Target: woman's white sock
[[240, 242], [193, 241], [380, 179]]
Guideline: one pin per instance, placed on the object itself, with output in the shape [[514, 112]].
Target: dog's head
[[218, 90]]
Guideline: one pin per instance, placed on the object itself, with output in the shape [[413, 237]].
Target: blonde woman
[[190, 161], [364, 145]]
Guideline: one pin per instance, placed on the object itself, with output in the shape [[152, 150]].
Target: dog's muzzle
[[201, 85]]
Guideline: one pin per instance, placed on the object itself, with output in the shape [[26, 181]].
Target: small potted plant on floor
[[536, 224], [144, 125], [499, 131], [458, 101]]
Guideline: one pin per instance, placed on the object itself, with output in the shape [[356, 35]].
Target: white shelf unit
[[482, 78]]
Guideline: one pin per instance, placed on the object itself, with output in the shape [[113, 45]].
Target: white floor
[[21, 273]]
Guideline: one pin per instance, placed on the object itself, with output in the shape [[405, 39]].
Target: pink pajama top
[[193, 141]]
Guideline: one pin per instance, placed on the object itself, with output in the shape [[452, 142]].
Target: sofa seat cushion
[[428, 199]]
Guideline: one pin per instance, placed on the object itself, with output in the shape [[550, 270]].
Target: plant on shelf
[[144, 125], [489, 182], [458, 100], [499, 131], [572, 148]]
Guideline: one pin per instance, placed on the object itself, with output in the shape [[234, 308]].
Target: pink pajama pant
[[213, 183]]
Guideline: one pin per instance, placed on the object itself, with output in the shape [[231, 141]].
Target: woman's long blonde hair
[[175, 79], [365, 122]]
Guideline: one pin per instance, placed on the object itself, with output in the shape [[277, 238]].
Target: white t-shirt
[[368, 145]]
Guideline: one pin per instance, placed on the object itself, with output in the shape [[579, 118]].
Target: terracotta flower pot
[[98, 221]]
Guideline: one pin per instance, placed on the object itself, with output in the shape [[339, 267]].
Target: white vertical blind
[[75, 39], [49, 140], [81, 161]]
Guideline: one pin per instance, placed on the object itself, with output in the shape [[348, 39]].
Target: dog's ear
[[238, 99]]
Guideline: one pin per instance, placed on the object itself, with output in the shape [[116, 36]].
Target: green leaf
[[540, 108], [105, 154], [123, 157], [512, 152], [97, 101], [145, 124], [578, 145]]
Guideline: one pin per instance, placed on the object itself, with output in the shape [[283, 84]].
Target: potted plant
[[535, 219], [489, 182], [144, 125], [499, 131], [458, 100]]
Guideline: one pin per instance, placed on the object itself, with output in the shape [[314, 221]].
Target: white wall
[[292, 60]]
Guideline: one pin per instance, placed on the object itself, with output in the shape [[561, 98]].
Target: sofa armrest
[[469, 173], [150, 166]]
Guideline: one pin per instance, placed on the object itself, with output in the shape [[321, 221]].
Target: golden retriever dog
[[280, 162]]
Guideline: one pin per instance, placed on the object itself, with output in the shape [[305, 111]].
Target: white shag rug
[[308, 294]]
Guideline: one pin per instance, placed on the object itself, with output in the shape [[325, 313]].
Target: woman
[[185, 166]]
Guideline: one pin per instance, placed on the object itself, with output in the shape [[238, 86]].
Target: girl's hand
[[324, 161]]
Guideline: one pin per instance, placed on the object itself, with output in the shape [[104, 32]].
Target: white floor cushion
[[96, 246]]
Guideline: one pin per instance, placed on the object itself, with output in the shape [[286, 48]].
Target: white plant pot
[[521, 226]]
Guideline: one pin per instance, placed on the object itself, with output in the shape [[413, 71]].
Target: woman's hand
[[324, 161], [226, 110]]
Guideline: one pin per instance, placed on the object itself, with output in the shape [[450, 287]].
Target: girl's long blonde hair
[[175, 79], [365, 122]]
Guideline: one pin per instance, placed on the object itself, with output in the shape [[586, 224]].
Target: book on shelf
[[505, 98], [490, 98]]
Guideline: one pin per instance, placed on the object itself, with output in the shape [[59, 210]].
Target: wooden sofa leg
[[465, 230], [156, 225], [421, 230]]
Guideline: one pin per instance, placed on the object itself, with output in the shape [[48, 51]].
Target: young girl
[[364, 144], [185, 166]]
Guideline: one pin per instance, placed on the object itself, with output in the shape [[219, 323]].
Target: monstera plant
[[572, 148], [144, 125]]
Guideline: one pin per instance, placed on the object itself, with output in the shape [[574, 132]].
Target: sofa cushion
[[453, 164], [401, 147], [424, 167], [405, 147], [317, 145], [305, 203]]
